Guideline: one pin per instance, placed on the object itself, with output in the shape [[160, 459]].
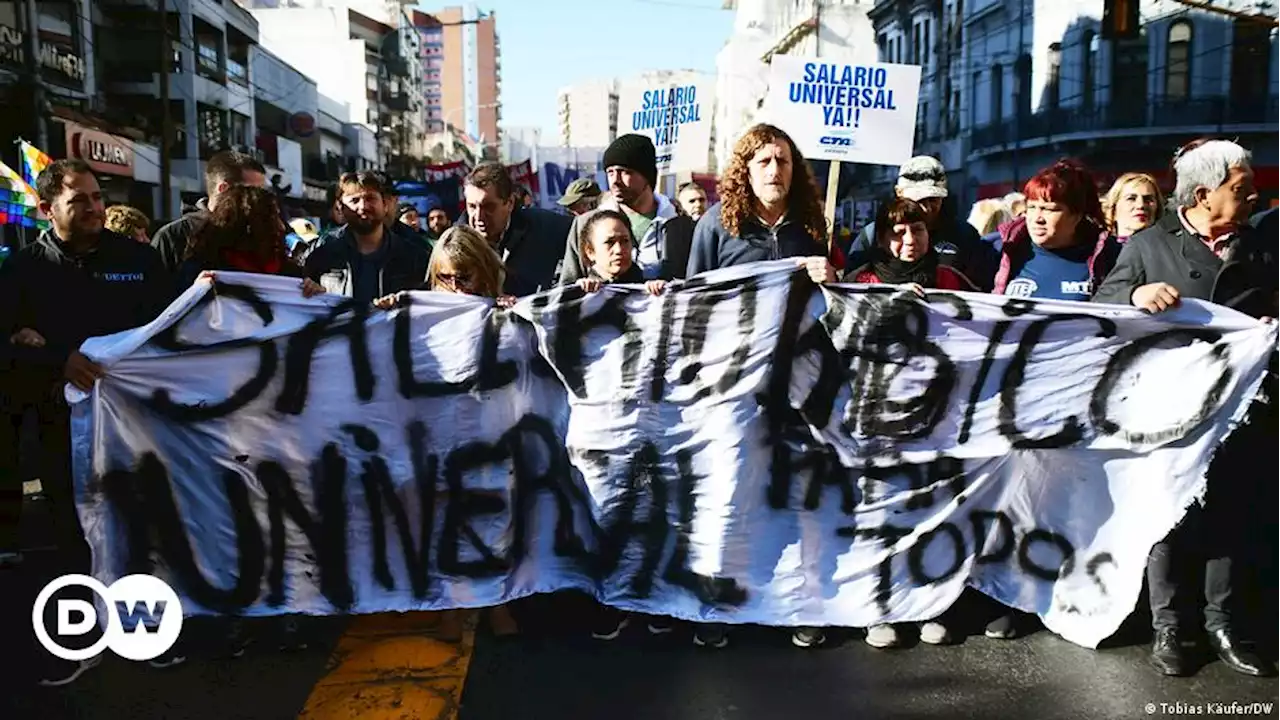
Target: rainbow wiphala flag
[[18, 201], [33, 162]]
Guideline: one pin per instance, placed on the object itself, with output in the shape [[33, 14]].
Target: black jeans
[[51, 537], [1215, 534], [59, 530]]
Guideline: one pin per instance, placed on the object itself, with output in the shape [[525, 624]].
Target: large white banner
[[746, 448], [675, 114], [851, 113]]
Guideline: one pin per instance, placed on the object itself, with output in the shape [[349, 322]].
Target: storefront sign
[[105, 153], [64, 64], [302, 124]]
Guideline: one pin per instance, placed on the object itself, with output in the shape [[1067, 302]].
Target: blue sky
[[547, 44]]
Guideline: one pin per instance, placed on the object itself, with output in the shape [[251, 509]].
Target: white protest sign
[[742, 449], [676, 115], [850, 113]]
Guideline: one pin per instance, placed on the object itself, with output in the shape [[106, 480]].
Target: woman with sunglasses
[[463, 262]]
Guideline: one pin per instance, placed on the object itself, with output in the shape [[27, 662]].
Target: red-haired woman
[[1060, 249]]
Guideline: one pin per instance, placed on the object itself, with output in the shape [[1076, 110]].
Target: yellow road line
[[391, 666]]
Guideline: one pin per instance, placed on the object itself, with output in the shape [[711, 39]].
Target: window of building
[[1250, 63], [1088, 73], [1053, 87], [976, 82], [238, 59], [1022, 85], [1129, 81], [1177, 77], [58, 17], [212, 130], [209, 61], [925, 53], [997, 93], [238, 127]]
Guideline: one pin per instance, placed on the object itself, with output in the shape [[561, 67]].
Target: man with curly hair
[[768, 209]]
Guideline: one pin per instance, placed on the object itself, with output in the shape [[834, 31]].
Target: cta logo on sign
[[144, 617], [836, 141]]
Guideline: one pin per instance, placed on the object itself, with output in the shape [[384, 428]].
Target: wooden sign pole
[[833, 187]]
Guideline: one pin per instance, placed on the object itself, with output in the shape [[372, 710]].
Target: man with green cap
[[581, 196]]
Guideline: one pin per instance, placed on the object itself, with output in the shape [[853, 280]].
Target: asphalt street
[[390, 666]]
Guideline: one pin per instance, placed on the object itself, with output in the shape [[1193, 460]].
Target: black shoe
[[660, 625], [1167, 655], [292, 638], [1237, 657], [610, 625], [170, 659], [64, 672], [234, 644], [712, 635]]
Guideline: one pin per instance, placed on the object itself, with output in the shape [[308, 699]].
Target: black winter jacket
[[331, 264], [120, 285], [531, 250], [171, 240], [1244, 278]]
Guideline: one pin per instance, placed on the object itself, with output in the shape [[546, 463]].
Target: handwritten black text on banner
[[742, 450]]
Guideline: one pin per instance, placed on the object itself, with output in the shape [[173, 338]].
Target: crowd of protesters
[[95, 272]]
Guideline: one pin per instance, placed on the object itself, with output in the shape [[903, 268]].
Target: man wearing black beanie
[[662, 235]]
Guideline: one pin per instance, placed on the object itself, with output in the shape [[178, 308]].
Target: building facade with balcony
[[370, 67], [930, 35], [211, 102], [286, 106], [1044, 84], [462, 56], [431, 35], [64, 64]]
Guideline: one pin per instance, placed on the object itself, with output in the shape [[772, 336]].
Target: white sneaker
[[935, 633], [883, 637]]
